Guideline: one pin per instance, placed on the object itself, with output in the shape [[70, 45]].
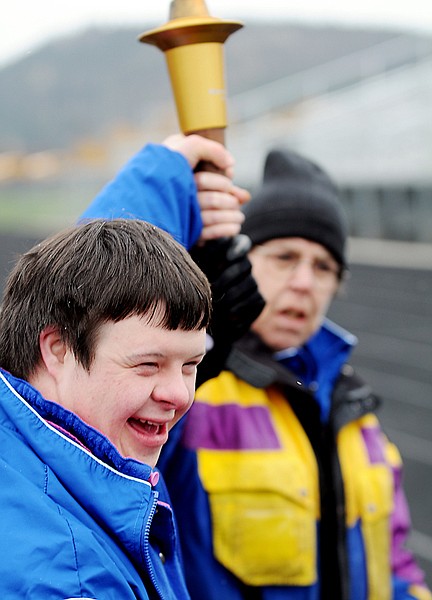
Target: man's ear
[[53, 350]]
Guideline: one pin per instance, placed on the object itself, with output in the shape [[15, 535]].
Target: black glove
[[236, 299]]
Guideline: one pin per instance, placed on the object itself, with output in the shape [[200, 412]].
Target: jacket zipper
[[147, 557]]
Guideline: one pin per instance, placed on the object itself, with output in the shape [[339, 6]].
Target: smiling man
[[101, 330], [151, 373]]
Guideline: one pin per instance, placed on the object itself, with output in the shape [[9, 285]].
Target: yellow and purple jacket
[[285, 486]]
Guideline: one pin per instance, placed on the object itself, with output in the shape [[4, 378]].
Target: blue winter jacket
[[77, 519]]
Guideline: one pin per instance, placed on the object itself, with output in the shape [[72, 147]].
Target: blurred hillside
[[104, 80], [358, 101]]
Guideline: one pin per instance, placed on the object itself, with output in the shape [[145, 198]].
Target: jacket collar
[[69, 426], [252, 361]]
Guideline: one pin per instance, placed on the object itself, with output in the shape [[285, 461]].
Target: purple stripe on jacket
[[229, 427], [403, 563], [372, 438]]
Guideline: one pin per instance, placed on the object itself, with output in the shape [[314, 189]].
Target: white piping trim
[[67, 439]]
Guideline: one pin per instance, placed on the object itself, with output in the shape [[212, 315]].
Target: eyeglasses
[[325, 270]]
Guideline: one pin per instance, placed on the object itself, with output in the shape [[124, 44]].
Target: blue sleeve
[[156, 185]]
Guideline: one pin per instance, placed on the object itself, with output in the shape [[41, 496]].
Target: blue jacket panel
[[78, 520], [156, 185]]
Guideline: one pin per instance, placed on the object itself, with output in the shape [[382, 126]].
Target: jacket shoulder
[[352, 398]]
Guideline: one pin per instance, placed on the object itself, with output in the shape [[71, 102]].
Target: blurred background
[[348, 86]]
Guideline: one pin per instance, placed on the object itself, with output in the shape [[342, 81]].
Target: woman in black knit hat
[[283, 483]]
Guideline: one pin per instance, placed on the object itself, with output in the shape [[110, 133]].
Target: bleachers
[[367, 119]]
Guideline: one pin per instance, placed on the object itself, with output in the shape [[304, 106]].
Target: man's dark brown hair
[[91, 274]]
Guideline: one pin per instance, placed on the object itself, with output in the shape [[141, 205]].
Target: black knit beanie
[[296, 199]]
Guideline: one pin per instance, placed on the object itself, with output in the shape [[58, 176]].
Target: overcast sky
[[25, 24]]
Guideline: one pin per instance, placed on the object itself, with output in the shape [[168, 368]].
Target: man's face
[[141, 381], [298, 279]]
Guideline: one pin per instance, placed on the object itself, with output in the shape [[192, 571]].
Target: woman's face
[[298, 279]]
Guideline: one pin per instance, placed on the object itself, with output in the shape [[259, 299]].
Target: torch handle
[[216, 134]]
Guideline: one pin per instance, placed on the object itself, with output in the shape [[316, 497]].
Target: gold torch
[[192, 41]]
